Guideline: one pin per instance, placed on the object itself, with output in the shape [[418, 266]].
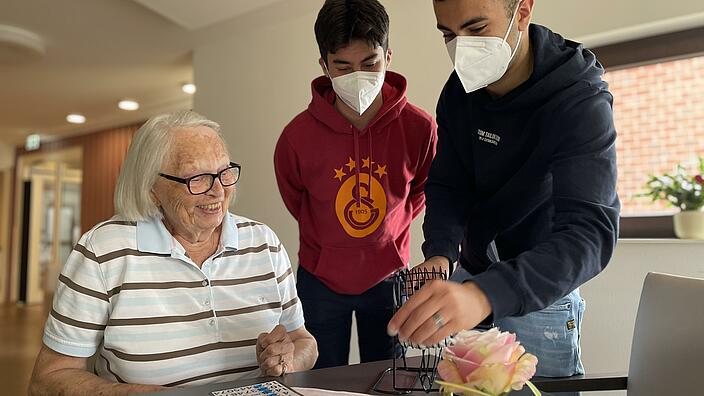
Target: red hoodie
[[353, 233]]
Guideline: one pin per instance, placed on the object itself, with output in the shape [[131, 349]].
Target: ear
[[321, 62], [389, 53], [524, 14]]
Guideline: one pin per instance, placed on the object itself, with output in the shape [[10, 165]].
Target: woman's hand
[[275, 352]]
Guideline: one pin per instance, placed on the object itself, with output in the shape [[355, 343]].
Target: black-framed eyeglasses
[[202, 183]]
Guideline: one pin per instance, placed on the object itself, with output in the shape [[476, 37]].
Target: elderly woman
[[174, 290]]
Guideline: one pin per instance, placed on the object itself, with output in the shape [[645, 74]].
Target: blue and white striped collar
[[153, 237]]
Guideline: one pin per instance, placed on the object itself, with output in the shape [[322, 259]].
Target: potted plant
[[685, 192]]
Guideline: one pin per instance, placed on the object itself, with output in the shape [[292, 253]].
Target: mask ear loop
[[520, 33], [325, 66]]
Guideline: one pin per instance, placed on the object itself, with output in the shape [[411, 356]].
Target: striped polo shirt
[[129, 292]]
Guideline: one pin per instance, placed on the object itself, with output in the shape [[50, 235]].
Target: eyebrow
[[466, 24], [344, 62]]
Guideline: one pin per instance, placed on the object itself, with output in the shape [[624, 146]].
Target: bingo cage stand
[[405, 284]]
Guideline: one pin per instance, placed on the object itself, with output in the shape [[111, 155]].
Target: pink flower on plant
[[699, 179], [492, 362]]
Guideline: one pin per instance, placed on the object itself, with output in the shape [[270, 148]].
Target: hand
[[431, 266], [275, 352], [438, 263], [438, 310]]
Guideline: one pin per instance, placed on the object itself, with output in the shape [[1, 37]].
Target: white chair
[[667, 353]]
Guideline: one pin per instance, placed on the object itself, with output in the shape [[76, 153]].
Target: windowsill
[[660, 240]]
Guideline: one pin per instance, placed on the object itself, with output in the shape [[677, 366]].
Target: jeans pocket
[[552, 334]]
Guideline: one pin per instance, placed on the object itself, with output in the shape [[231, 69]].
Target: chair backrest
[[667, 354]]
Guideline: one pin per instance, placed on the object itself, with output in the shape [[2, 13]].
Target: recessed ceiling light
[[189, 88], [129, 105], [76, 118]]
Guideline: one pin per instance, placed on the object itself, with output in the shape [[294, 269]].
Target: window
[[659, 116], [658, 88]]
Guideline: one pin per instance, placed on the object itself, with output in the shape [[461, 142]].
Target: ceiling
[[95, 53], [192, 15]]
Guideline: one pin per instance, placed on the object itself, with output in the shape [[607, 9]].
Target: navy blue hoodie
[[530, 175]]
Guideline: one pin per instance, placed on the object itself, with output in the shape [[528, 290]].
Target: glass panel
[[70, 221], [48, 203]]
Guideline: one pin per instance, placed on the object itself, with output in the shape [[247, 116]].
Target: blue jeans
[[551, 334]]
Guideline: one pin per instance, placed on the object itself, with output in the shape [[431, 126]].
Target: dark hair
[[510, 6], [340, 22]]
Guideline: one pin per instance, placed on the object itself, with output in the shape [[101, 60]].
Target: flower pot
[[689, 224]]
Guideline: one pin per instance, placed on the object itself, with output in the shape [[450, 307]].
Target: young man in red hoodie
[[351, 169]]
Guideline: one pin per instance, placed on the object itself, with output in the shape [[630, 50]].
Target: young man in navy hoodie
[[524, 181], [351, 169]]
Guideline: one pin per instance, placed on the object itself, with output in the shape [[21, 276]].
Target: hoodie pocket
[[354, 270]]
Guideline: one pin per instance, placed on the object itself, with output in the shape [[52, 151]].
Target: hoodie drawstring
[[358, 166], [358, 195], [371, 161]]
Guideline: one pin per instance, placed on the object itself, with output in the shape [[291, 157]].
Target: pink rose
[[492, 362], [699, 179]]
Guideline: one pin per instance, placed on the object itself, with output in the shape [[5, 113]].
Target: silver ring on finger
[[284, 367], [439, 322]]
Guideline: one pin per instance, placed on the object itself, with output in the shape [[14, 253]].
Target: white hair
[[148, 150]]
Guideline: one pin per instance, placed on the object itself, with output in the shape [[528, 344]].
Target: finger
[[417, 318], [452, 327], [429, 330], [260, 343], [277, 334], [401, 316], [272, 366], [277, 349], [419, 308]]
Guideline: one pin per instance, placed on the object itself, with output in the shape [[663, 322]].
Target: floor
[[21, 329]]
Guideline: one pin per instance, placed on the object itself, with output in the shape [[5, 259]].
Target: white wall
[[612, 297], [601, 22], [7, 156], [253, 76]]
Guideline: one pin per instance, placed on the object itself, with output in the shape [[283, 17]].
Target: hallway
[[21, 331]]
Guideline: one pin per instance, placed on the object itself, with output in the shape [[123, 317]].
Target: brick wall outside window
[[659, 116]]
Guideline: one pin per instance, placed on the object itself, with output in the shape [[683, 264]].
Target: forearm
[[305, 354], [77, 382], [550, 270]]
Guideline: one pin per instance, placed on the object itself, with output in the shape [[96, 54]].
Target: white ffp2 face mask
[[480, 61], [358, 89]]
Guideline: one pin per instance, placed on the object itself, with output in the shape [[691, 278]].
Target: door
[[50, 225]]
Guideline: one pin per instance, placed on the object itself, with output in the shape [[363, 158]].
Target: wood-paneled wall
[[103, 153], [102, 160]]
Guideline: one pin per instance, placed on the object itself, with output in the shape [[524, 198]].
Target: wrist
[[479, 297], [439, 262]]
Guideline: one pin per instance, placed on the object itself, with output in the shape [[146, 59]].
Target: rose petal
[[517, 353], [465, 367], [448, 372], [525, 370], [502, 354], [493, 378]]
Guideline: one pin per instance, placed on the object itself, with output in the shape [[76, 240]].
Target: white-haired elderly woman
[[174, 290]]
